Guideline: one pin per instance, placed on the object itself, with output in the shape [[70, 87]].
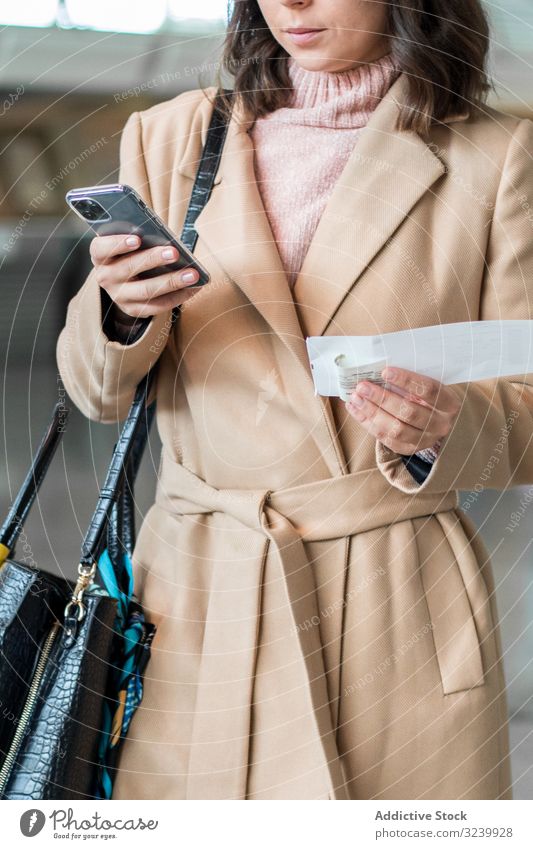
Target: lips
[[302, 36]]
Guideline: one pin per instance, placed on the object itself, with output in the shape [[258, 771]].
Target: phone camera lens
[[90, 209]]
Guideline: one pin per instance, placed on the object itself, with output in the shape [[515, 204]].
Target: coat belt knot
[[286, 519]]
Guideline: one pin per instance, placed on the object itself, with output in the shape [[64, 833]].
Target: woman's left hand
[[423, 413]]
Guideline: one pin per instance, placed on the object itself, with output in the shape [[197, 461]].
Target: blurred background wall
[[71, 71]]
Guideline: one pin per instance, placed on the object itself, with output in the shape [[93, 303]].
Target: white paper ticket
[[349, 375], [450, 353]]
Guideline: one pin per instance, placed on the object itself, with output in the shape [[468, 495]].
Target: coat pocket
[[457, 645]]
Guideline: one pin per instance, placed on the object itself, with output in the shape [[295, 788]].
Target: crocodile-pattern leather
[[121, 524], [135, 430], [206, 173], [58, 754], [28, 602], [132, 437], [205, 176]]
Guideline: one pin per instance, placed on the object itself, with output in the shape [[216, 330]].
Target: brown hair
[[441, 46]]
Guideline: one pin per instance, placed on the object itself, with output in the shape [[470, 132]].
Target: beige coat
[[327, 628]]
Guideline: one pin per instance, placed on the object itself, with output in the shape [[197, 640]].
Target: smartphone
[[113, 209]]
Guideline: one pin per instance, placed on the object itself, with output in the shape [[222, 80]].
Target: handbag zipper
[[29, 705]]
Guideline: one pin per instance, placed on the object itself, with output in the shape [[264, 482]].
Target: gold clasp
[[85, 576]]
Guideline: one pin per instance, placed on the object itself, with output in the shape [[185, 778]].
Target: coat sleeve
[[490, 445], [100, 375]]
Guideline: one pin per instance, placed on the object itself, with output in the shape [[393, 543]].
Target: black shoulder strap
[[134, 434], [207, 171], [12, 526]]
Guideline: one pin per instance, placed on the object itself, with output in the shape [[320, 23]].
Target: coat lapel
[[235, 228], [386, 174]]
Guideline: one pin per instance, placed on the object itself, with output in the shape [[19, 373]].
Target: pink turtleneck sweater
[[301, 149]]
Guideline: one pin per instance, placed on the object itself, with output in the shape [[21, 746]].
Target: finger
[[161, 304], [121, 279], [389, 430], [425, 390], [128, 268], [105, 248], [424, 418]]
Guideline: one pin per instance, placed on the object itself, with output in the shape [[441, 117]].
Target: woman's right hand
[[118, 261]]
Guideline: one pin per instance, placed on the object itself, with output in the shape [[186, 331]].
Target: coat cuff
[[407, 474], [141, 353], [115, 330], [449, 452]]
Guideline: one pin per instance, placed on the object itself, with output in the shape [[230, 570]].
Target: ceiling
[[85, 61]]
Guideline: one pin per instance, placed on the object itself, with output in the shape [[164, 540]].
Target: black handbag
[[73, 654]]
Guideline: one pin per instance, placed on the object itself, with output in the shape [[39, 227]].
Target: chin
[[321, 63], [308, 63]]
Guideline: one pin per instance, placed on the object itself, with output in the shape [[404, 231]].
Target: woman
[[327, 625]]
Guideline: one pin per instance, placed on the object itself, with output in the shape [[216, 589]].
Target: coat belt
[[285, 518]]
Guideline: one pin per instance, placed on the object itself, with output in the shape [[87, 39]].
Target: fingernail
[[188, 276], [132, 241], [168, 253], [388, 374], [363, 389], [357, 402]]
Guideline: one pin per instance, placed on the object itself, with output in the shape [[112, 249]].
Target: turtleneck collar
[[341, 99]]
